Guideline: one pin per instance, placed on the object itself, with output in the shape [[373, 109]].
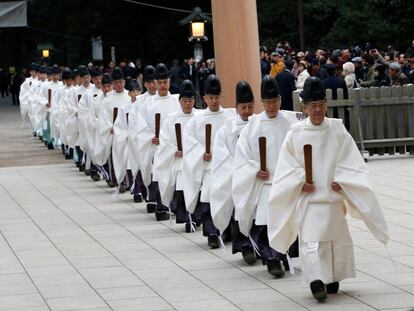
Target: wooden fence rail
[[381, 120]]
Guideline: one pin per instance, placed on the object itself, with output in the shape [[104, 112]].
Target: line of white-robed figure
[[228, 180]]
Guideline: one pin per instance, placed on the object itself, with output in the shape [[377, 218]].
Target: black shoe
[[50, 146], [248, 254], [122, 188], [111, 184], [40, 137], [226, 237], [87, 172], [213, 241], [82, 168], [138, 198], [67, 157], [332, 288], [95, 176], [188, 228], [160, 216], [274, 267], [151, 207], [318, 290]]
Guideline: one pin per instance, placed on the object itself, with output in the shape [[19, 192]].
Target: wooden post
[[236, 47]]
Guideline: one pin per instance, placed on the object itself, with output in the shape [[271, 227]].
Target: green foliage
[[338, 23]]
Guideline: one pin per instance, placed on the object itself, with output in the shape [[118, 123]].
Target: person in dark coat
[[175, 77], [264, 61], [286, 82], [16, 82], [334, 83], [190, 71], [4, 82]]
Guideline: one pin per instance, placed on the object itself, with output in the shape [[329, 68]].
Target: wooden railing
[[381, 120]]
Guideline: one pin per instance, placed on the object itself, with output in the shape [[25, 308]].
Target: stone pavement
[[65, 244]]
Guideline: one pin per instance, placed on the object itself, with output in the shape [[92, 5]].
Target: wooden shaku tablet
[[208, 138], [114, 114], [307, 151], [178, 136], [262, 152], [157, 124]]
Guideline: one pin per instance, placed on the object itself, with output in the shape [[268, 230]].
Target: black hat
[[38, 67], [83, 71], [187, 89], [117, 74], [43, 69], [133, 85], [212, 86], [106, 78], [244, 93], [33, 66], [269, 88], [149, 73], [67, 74], [313, 90], [75, 72], [55, 69], [161, 72], [96, 71]]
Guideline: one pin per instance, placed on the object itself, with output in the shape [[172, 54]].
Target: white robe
[[83, 114], [104, 123], [24, 96], [72, 125], [167, 166], [318, 218], [94, 97], [134, 119], [54, 108], [104, 139], [196, 171], [221, 202], [163, 105], [63, 99], [120, 139], [37, 105], [250, 194]]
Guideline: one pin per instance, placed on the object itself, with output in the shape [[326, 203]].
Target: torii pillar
[[236, 47]]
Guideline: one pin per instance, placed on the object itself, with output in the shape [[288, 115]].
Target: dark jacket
[[264, 67], [334, 83], [286, 82], [190, 76]]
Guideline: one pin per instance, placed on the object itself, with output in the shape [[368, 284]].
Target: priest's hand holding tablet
[[263, 175], [111, 131], [155, 140], [308, 188], [207, 156], [336, 187], [179, 154]]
